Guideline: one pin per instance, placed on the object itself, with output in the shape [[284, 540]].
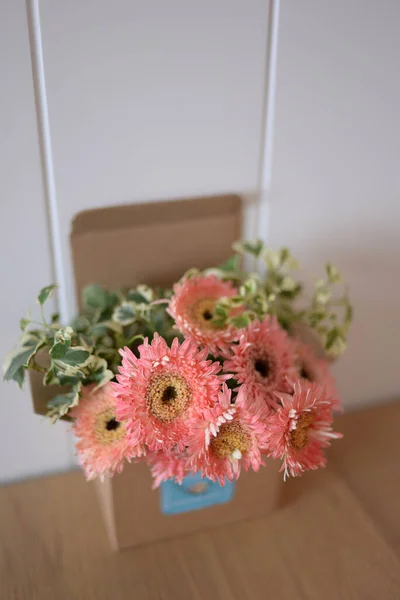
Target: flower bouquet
[[208, 377]]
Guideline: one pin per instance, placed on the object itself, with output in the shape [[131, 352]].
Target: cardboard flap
[[153, 243], [150, 213]]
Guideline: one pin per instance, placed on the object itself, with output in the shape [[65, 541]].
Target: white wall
[[152, 100], [28, 444], [335, 172]]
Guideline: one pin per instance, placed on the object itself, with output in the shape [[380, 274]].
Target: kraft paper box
[[155, 243]]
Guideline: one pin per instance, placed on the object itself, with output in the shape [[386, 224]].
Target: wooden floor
[[336, 535]]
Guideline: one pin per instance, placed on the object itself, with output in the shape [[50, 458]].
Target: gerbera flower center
[[261, 365], [305, 373], [168, 396], [203, 312], [107, 429], [112, 424], [232, 440], [299, 436]]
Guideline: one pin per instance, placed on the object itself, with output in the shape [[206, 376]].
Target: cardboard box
[[155, 243], [131, 508]]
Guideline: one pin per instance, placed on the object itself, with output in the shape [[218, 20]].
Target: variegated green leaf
[[241, 320], [332, 273], [19, 376], [125, 314], [62, 403], [23, 324], [232, 264], [146, 292], [272, 259], [59, 350], [104, 327], [96, 296], [75, 357], [64, 334], [244, 247], [45, 293], [21, 356]]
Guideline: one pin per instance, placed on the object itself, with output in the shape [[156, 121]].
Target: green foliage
[[62, 403], [97, 371], [23, 323], [329, 315], [244, 247], [278, 292], [230, 265], [228, 270], [125, 313], [18, 360], [97, 297], [45, 293], [87, 351], [142, 294]]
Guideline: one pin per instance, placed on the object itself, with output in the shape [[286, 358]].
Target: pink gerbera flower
[[300, 430], [192, 308], [263, 361], [167, 465], [311, 368], [230, 437], [102, 444], [160, 393]]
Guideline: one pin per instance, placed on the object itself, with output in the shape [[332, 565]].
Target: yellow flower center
[[107, 429], [299, 436], [168, 396], [202, 313], [231, 437]]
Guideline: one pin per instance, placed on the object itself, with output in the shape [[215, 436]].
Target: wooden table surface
[[336, 535]]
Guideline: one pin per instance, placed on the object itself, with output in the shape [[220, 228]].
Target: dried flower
[[263, 361], [160, 393], [311, 368], [230, 437], [298, 432], [102, 445], [167, 465], [192, 306]]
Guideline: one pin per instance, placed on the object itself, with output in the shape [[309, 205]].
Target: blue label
[[194, 493]]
